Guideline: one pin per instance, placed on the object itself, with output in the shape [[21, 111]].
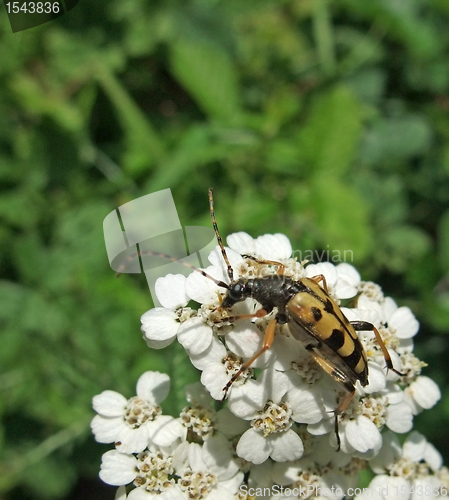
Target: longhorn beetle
[[312, 316]]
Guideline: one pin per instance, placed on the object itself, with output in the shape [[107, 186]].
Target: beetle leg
[[267, 262], [258, 314], [267, 341], [339, 377], [364, 326], [320, 278]]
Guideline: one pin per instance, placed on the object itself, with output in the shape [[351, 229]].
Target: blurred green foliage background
[[326, 120]]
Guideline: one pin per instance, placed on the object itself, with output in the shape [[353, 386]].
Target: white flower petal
[[326, 268], [196, 457], [285, 446], [433, 457], [218, 456], [106, 429], [202, 289], [348, 273], [245, 340], [109, 404], [253, 447], [397, 365], [368, 315], [274, 247], [283, 473], [120, 493], [404, 323], [232, 484], [229, 424], [171, 493], [405, 346], [375, 309], [219, 492], [348, 281], [159, 324], [117, 468], [426, 484], [263, 474], [216, 259], [166, 430], [159, 344], [196, 394], [362, 434], [414, 446], [376, 380], [130, 440], [344, 290], [194, 335], [390, 487], [170, 291], [324, 453], [214, 378], [181, 457], [425, 392], [399, 418], [389, 306], [324, 426], [307, 407], [334, 484], [242, 243], [275, 383], [394, 393], [288, 350], [245, 400], [408, 398], [153, 386], [212, 355], [390, 451]]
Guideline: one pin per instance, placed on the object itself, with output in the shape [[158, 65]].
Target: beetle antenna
[[220, 241], [172, 259]]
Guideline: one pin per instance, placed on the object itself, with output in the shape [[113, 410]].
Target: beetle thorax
[[270, 291]]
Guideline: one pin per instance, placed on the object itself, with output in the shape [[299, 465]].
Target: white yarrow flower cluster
[[277, 427]]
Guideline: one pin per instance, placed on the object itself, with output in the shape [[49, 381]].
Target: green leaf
[[283, 104], [332, 132], [195, 148], [341, 217], [39, 100], [369, 84], [443, 241], [52, 475], [20, 208], [76, 56], [403, 245], [391, 139], [12, 297], [143, 144], [402, 21], [207, 72], [284, 156]]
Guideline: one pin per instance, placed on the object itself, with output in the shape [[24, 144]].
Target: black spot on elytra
[[336, 340], [328, 307], [317, 314]]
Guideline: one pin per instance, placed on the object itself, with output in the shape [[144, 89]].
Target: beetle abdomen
[[315, 318]]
